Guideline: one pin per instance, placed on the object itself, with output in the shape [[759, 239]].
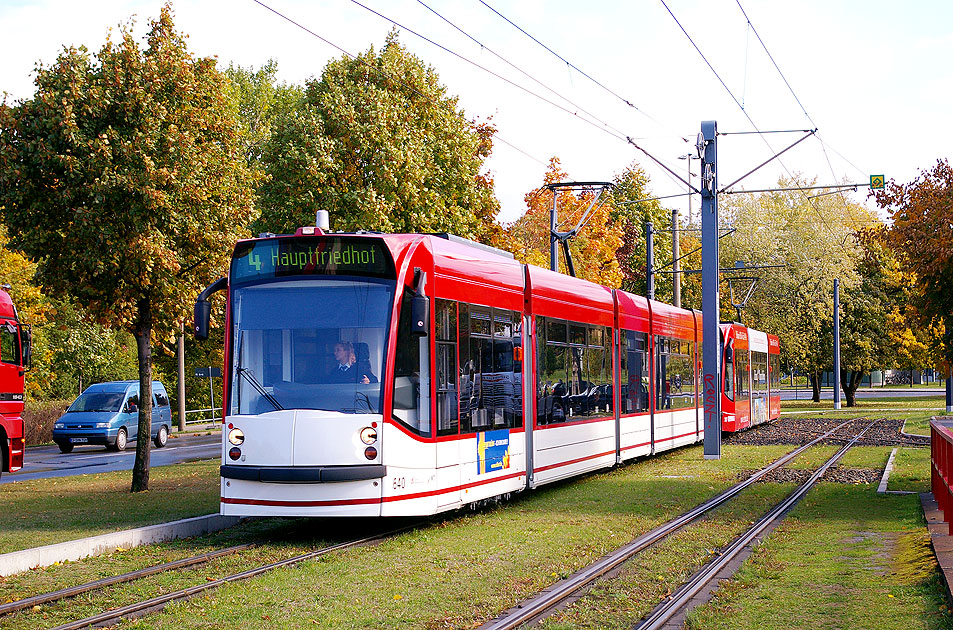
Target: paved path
[[863, 393]]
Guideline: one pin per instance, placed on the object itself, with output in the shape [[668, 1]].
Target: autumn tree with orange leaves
[[921, 233], [594, 247]]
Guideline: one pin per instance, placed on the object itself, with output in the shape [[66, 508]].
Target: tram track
[[678, 603], [131, 576], [157, 603], [543, 604]]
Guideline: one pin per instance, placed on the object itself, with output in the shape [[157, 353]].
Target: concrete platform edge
[[18, 561], [940, 539]]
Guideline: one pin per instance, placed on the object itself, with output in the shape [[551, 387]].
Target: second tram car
[[392, 375]]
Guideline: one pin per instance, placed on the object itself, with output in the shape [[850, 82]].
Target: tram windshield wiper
[[250, 377]]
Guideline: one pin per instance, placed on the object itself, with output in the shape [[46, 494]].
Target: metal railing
[[216, 416], [941, 474]]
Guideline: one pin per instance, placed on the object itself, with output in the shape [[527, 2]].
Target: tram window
[[574, 380], [466, 370], [741, 373], [407, 395], [502, 323], [577, 334], [284, 338], [480, 321], [555, 330], [491, 395], [675, 374], [774, 367], [448, 412], [729, 371], [635, 374], [551, 386]]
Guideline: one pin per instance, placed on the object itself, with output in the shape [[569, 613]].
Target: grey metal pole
[[677, 280], [180, 351], [553, 245], [649, 262], [711, 348], [949, 391], [211, 393], [836, 344]]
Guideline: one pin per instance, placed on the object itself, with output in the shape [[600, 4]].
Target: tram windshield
[[310, 344]]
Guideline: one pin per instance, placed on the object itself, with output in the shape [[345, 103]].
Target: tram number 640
[[400, 482]]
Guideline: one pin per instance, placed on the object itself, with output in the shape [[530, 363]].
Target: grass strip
[[844, 558], [46, 511], [911, 470], [459, 572]]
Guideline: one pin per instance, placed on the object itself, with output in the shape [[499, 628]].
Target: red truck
[[14, 360]]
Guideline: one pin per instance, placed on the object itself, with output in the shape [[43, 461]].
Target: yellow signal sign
[[876, 182]]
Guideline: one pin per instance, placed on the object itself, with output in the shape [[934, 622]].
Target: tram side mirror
[[419, 306], [203, 313], [203, 309], [420, 315]]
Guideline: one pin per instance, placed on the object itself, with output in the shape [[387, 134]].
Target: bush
[[38, 419]]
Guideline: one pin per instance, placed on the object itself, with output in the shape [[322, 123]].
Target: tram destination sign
[[310, 256]]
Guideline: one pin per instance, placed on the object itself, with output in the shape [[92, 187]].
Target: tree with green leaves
[[864, 326], [260, 101], [124, 178], [815, 242], [379, 144]]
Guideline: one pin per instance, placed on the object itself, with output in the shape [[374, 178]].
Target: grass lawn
[[845, 557], [454, 572], [46, 511], [851, 557]]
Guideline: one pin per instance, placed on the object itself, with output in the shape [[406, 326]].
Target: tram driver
[[348, 367]]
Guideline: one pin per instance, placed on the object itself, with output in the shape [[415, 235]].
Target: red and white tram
[[392, 375]]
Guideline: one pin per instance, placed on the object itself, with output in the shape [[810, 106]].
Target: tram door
[[447, 381]]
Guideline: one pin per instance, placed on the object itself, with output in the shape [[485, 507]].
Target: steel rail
[[534, 607], [73, 591], [159, 602], [678, 601]]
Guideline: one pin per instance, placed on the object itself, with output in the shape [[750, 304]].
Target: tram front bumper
[[303, 474]]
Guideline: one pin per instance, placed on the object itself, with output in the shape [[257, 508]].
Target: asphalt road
[[47, 461]]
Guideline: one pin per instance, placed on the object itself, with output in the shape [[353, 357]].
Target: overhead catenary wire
[[605, 129], [823, 144], [491, 72], [376, 69], [743, 111], [517, 68], [568, 63]]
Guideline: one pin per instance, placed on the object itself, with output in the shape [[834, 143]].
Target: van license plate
[[78, 440]]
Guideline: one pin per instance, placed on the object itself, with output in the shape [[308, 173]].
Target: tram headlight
[[368, 435], [236, 436]]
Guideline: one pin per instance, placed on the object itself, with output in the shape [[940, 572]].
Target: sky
[[873, 77]]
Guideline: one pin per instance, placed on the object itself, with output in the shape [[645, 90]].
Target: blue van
[[108, 414]]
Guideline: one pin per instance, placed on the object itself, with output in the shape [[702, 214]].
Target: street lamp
[[677, 284]]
